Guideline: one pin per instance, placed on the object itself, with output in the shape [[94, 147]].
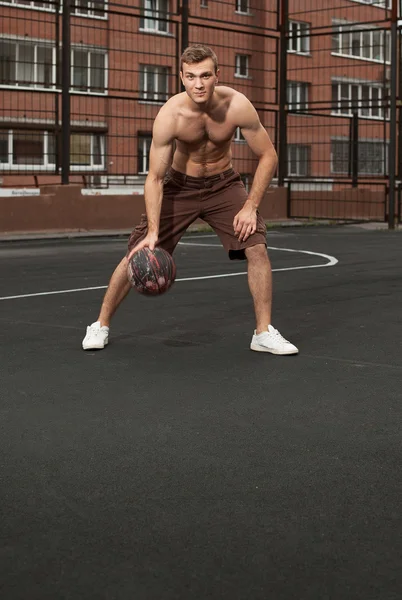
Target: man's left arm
[[258, 140]]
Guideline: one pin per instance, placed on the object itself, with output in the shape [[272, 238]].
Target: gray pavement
[[178, 464]]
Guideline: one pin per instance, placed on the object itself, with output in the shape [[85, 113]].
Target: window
[[365, 99], [144, 146], [238, 136], [376, 3], [4, 154], [154, 15], [372, 157], [154, 83], [88, 8], [29, 149], [87, 151], [49, 5], [374, 45], [36, 150], [242, 6], [299, 37], [247, 180], [88, 70], [298, 160], [242, 65], [27, 64], [297, 95], [204, 3]]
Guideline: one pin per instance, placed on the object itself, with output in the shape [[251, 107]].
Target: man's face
[[199, 80]]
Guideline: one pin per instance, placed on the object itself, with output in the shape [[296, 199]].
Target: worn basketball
[[151, 272]]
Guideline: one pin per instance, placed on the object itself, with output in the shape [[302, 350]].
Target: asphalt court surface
[[178, 464]]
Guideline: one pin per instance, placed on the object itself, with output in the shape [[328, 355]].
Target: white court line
[[331, 262]]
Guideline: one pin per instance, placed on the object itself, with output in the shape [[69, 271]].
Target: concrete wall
[[345, 204], [65, 208]]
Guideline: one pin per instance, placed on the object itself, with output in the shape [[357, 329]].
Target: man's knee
[[257, 253]]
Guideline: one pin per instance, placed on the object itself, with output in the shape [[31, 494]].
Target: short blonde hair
[[196, 54]]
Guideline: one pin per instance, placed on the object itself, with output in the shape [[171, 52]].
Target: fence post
[[393, 120], [56, 93], [355, 149], [283, 159], [399, 115], [184, 24], [184, 31], [65, 93]]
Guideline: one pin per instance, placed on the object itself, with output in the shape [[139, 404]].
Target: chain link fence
[[81, 83]]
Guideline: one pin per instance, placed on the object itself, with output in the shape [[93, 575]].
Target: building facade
[[125, 65]]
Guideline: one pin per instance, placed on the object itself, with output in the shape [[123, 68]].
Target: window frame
[[91, 16], [345, 141], [376, 4], [52, 8], [144, 19], [147, 71], [237, 72], [47, 165], [89, 50], [342, 30], [92, 167], [143, 139], [39, 43], [238, 8], [238, 137], [383, 111], [298, 106], [298, 148], [247, 180], [35, 43], [298, 38]]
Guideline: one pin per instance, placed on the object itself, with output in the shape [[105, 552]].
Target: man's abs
[[202, 162]]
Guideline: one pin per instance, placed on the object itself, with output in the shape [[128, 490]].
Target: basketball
[[151, 272]]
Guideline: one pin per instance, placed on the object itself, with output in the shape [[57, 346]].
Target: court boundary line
[[332, 261]]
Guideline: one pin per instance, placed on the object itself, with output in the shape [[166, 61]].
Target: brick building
[[124, 65], [338, 71]]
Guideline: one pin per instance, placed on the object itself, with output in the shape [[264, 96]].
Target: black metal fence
[[81, 83]]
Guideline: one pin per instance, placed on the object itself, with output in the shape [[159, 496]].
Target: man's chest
[[199, 131]]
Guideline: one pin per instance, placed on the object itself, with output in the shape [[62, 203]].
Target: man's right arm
[[160, 158]]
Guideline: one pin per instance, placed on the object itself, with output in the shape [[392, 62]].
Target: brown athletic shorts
[[216, 200]]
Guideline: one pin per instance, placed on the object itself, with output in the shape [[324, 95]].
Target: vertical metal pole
[[179, 87], [57, 87], [393, 120], [184, 24], [350, 147], [184, 30], [65, 93], [399, 115], [289, 200], [355, 149], [283, 159]]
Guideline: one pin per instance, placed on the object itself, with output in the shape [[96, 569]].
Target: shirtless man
[[197, 180]]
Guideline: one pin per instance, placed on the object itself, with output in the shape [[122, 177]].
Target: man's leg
[[260, 284], [178, 212], [117, 290], [225, 200], [266, 338], [97, 335]]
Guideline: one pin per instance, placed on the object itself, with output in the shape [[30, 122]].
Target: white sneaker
[[97, 337], [272, 341]]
